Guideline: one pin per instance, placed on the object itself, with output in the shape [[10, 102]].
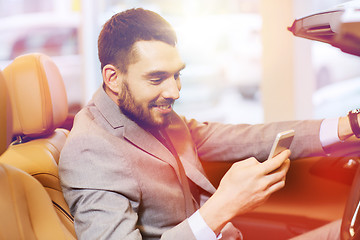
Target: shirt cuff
[[329, 132], [200, 229]]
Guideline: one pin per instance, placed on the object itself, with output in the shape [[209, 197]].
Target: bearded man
[[131, 167]]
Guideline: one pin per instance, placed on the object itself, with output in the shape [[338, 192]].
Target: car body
[[338, 28]]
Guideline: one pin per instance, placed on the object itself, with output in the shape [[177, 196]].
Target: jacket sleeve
[[226, 142], [106, 215], [105, 201]]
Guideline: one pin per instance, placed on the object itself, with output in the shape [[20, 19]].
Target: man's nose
[[171, 90]]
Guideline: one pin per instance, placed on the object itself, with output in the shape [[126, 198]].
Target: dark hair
[[121, 31]]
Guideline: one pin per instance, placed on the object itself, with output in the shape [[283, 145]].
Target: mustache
[[162, 102]]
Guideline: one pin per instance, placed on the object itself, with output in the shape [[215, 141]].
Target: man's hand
[[245, 186]]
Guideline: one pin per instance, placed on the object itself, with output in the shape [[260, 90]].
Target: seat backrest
[[26, 209], [5, 116], [39, 107]]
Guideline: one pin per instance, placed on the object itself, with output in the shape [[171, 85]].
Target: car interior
[[34, 108], [34, 125], [38, 107]]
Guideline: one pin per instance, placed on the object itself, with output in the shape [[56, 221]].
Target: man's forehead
[[157, 54], [154, 49]]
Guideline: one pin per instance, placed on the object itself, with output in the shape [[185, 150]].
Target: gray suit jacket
[[121, 183]]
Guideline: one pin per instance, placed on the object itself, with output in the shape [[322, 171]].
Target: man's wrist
[[215, 217], [199, 227], [344, 128]]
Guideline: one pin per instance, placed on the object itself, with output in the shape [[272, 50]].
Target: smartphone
[[281, 142]]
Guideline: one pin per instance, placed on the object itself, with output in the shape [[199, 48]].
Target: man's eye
[[156, 81]]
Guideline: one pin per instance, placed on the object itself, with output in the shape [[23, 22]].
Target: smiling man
[[149, 88], [131, 167]]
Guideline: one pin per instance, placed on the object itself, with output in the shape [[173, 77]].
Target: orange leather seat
[[5, 116], [26, 209], [39, 107]]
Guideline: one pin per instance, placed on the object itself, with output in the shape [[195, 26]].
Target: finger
[[282, 170], [275, 187], [272, 164], [279, 174], [286, 168]]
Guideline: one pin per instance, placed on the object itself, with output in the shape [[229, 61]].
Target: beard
[[139, 113]]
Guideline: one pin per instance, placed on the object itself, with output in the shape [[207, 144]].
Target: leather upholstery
[[26, 209], [37, 95], [5, 116], [39, 107]]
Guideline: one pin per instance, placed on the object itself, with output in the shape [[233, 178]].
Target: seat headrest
[[37, 93], [5, 116]]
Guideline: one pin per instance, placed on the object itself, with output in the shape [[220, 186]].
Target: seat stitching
[[71, 218]]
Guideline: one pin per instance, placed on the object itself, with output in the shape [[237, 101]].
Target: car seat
[[39, 107], [5, 116], [27, 211], [26, 208]]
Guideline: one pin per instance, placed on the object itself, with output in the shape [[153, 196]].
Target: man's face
[[152, 84]]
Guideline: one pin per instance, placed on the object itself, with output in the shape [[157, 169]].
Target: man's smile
[[162, 108]]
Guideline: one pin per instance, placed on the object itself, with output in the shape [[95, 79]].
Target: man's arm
[[225, 142], [104, 197], [101, 214], [92, 188], [106, 215]]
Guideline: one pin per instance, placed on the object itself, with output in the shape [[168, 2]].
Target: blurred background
[[243, 65]]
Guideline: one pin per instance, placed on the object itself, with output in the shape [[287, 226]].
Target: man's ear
[[112, 77]]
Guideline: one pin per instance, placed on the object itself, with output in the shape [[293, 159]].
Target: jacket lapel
[[148, 143], [178, 133], [186, 150]]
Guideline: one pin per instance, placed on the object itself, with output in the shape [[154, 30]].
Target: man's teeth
[[164, 106]]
